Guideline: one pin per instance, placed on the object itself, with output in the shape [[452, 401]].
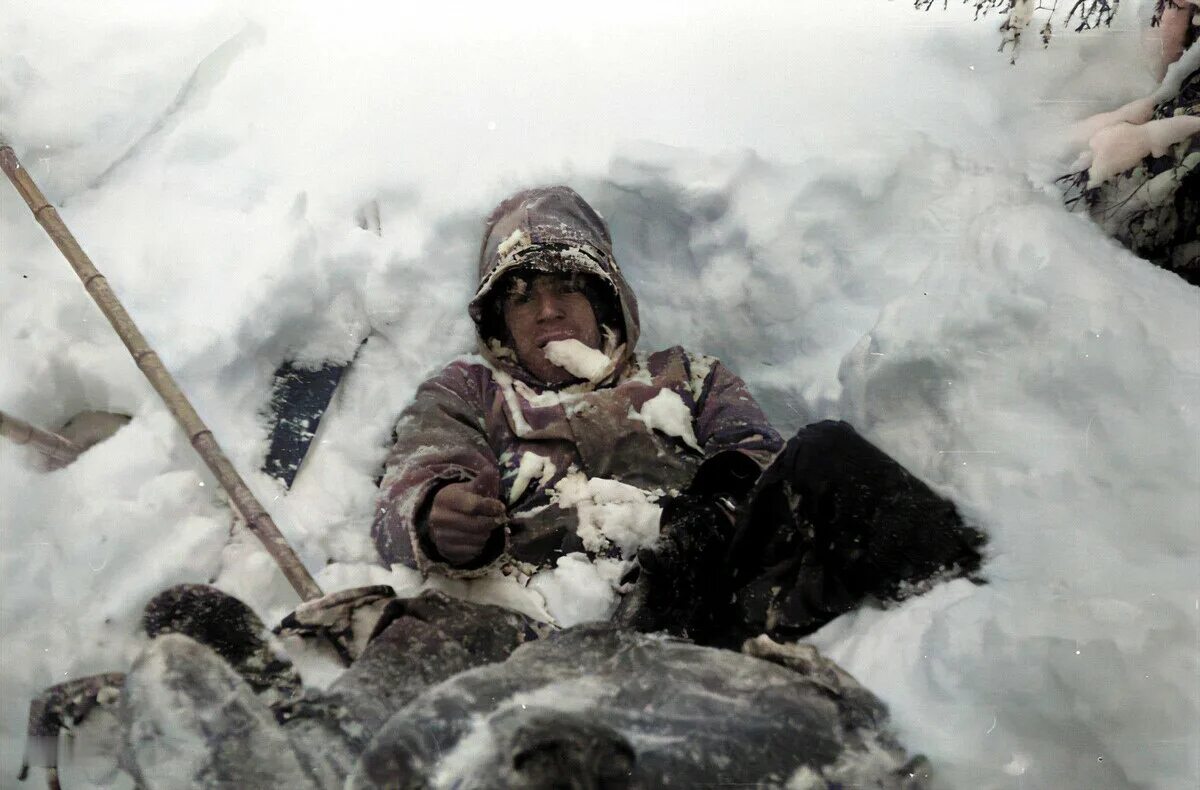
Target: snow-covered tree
[[1138, 173], [1018, 15]]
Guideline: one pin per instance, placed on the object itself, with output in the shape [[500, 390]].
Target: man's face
[[543, 308]]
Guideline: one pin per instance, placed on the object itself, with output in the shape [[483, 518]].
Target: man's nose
[[549, 306]]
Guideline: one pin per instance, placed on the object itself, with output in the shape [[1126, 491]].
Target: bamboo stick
[[57, 448], [256, 518]]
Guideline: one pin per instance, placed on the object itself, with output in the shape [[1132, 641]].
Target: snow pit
[[834, 220]]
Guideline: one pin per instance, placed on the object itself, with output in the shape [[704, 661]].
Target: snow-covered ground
[[846, 201]]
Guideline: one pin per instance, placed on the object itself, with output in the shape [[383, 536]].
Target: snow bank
[[841, 201]]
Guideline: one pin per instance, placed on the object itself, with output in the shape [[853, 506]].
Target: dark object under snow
[[455, 694], [600, 707], [299, 398], [227, 626], [834, 521]]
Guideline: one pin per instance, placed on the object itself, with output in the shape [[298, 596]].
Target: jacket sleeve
[[729, 419], [440, 439]]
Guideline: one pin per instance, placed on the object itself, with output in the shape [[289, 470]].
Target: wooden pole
[[58, 449], [257, 519]]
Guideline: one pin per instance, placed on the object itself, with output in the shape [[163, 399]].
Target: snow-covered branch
[[1018, 15], [1139, 174]]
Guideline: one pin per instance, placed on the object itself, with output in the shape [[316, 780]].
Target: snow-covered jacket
[[650, 422]]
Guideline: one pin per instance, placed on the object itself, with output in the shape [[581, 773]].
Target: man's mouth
[[550, 337]]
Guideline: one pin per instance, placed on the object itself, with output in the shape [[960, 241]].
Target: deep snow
[[846, 202]]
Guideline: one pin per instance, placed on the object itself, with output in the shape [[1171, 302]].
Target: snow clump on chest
[[611, 513], [614, 518], [668, 414]]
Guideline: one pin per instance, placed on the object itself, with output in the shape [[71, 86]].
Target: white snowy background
[[848, 202]]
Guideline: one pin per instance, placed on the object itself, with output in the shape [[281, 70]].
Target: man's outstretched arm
[[439, 507]]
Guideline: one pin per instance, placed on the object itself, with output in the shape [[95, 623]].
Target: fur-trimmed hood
[[549, 229]]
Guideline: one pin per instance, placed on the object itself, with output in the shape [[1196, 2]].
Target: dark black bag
[[832, 522]]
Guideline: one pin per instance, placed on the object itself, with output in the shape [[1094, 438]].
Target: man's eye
[[518, 292]]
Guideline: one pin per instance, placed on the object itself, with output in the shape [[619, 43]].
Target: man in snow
[[549, 283], [558, 390], [756, 536]]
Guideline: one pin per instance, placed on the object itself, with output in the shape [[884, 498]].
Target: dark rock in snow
[[211, 676], [596, 706], [419, 642], [454, 694]]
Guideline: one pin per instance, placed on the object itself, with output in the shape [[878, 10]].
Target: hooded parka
[[487, 420]]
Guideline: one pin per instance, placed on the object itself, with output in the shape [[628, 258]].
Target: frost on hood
[[552, 230], [518, 238]]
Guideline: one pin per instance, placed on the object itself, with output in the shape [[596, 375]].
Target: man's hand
[[461, 521]]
